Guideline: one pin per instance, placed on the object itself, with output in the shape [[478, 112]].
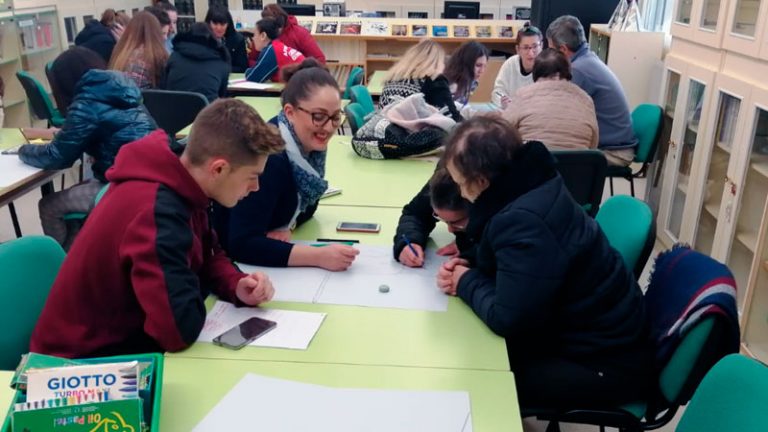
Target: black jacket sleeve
[[416, 222], [437, 93], [236, 46]]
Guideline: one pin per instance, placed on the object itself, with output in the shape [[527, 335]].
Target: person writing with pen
[[439, 200]]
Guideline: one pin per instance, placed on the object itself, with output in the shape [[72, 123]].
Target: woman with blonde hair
[[420, 70], [140, 53]]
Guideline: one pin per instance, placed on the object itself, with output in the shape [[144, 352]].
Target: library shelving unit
[[14, 102], [632, 56], [715, 186]]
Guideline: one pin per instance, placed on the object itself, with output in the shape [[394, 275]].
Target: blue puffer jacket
[[105, 114]]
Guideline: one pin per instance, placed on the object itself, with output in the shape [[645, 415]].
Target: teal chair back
[[733, 396], [28, 267], [646, 123], [355, 116], [355, 78], [629, 226], [361, 95], [39, 102]]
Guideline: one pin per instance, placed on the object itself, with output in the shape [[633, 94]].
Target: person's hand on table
[[282, 235], [336, 257], [447, 274], [254, 289], [449, 250], [407, 258]]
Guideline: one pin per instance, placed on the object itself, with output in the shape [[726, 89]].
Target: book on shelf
[[350, 28], [418, 30], [307, 25], [375, 28], [506, 31], [326, 27], [461, 31], [440, 31], [399, 30], [483, 31]]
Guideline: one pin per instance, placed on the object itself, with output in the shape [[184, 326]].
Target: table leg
[[14, 219]]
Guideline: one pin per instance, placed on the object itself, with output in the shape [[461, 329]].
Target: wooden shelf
[[8, 61], [382, 59], [761, 166], [682, 185], [37, 51], [722, 147], [712, 209], [748, 239]]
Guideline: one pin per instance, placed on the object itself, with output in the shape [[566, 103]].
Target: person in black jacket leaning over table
[[544, 276], [198, 63], [439, 200]]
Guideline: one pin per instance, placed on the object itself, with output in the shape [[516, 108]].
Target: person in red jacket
[[137, 275], [273, 56], [291, 33]]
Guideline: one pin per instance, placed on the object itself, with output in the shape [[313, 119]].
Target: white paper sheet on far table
[[13, 170], [275, 405], [248, 85], [294, 329]]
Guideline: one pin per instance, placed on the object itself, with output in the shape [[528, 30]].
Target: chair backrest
[[41, 104], [628, 223], [361, 95], [583, 172], [355, 78], [733, 396], [173, 110], [647, 125], [28, 267], [355, 115]]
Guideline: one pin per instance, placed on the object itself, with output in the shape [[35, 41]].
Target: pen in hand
[[413, 249]]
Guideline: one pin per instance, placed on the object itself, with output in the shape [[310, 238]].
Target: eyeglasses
[[460, 223], [533, 47], [320, 119]]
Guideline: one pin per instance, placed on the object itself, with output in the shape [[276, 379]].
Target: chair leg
[[14, 219], [610, 182], [632, 185]]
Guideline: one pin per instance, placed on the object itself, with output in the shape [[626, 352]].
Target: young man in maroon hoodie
[[139, 271]]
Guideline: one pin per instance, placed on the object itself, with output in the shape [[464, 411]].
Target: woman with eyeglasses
[[544, 276], [438, 201], [258, 229], [516, 72]]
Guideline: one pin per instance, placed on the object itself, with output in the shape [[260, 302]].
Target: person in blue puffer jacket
[[103, 112]]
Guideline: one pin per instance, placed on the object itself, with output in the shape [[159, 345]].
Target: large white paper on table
[[13, 170], [276, 405], [409, 288], [294, 329], [248, 85]]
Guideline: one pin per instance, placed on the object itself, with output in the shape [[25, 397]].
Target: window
[[70, 25]]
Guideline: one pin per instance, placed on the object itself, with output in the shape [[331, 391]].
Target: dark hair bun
[[308, 63]]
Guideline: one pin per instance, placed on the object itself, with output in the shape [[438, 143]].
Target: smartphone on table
[[244, 333], [365, 227]]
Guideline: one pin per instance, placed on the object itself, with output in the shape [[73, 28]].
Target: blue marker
[[410, 245]]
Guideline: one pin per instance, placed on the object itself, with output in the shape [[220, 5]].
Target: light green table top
[[192, 387], [376, 82], [372, 183], [6, 393], [10, 137]]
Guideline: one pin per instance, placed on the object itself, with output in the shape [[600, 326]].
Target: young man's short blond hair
[[233, 130]]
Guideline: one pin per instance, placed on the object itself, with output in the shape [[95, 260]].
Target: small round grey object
[[383, 288]]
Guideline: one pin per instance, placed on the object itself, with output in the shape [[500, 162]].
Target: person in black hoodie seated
[[101, 36], [439, 200], [544, 276], [220, 22], [198, 63], [258, 229]]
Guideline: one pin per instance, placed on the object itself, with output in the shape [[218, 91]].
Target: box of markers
[[110, 393]]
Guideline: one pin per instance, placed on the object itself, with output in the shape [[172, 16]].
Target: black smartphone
[[244, 333]]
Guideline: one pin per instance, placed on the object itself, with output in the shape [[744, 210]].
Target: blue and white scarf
[[308, 168]]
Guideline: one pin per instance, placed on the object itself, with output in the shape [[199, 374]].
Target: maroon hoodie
[[138, 272]]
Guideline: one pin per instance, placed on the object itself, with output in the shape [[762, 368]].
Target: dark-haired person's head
[[277, 13], [552, 64], [447, 203], [173, 15], [479, 151], [267, 30], [228, 148], [566, 34], [220, 21], [162, 17], [529, 45], [67, 70], [466, 65], [311, 103]]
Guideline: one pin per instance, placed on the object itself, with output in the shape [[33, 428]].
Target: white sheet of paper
[[13, 170], [294, 329], [248, 85], [293, 284], [276, 405]]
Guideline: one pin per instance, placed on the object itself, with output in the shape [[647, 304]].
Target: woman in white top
[[516, 71]]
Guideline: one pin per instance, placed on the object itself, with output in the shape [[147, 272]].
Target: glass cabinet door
[[727, 115], [755, 324], [693, 107], [684, 9], [745, 22], [750, 202], [710, 13], [745, 17]]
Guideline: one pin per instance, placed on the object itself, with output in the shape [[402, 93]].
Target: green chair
[[583, 172], [647, 124], [733, 396], [628, 223], [355, 116], [39, 102], [356, 76], [360, 95], [28, 266]]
